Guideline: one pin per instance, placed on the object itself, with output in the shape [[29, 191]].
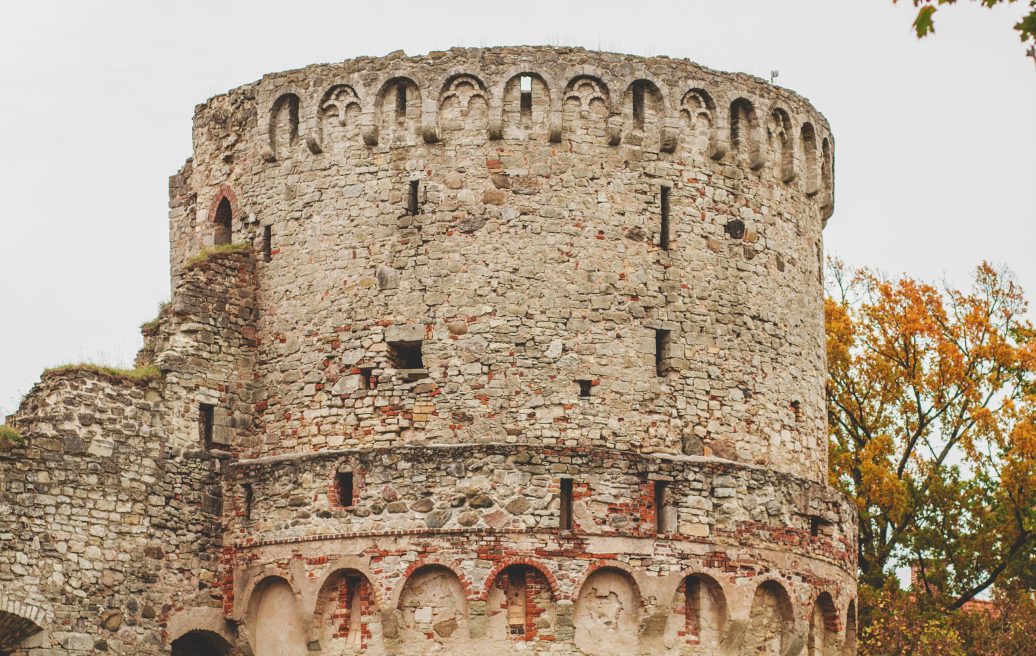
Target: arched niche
[[849, 644], [398, 107], [607, 614], [201, 643], [284, 125], [464, 106], [744, 138], [526, 107], [585, 110], [521, 606], [346, 618], [698, 122], [433, 609], [339, 113], [643, 108], [276, 626], [770, 622], [810, 161], [15, 627], [823, 627], [698, 616], [826, 178], [223, 222], [780, 136]]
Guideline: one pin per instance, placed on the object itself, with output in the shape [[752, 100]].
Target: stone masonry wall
[[533, 260]]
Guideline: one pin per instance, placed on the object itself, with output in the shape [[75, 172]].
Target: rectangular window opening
[[406, 355], [412, 205], [525, 86], [566, 504], [585, 385], [661, 352], [663, 229], [246, 500], [661, 500], [267, 243], [206, 420], [344, 488]]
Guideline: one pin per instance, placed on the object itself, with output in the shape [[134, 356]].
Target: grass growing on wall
[[137, 374], [209, 251], [9, 435]]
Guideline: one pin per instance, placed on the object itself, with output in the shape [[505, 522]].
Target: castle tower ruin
[[488, 351]]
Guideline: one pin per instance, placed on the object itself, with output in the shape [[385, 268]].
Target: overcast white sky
[[935, 140]]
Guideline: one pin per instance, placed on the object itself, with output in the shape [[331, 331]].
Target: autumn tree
[[924, 21], [932, 418]]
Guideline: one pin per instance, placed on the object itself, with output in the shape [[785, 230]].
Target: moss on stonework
[[151, 326], [143, 374], [10, 436], [209, 251]]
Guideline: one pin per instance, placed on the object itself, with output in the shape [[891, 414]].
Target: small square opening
[[368, 379], [585, 385], [406, 355], [344, 488]]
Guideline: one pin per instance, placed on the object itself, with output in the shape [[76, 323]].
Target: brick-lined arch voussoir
[[597, 566], [224, 191], [395, 594], [247, 595], [519, 561], [345, 564], [28, 619]]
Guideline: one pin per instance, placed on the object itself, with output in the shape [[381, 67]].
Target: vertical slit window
[[525, 87], [267, 243], [663, 228], [661, 501], [662, 340], [344, 488], [401, 101], [246, 500], [638, 105], [566, 504], [415, 188], [206, 419]]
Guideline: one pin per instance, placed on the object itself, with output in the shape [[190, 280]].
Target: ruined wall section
[[104, 526], [533, 258]]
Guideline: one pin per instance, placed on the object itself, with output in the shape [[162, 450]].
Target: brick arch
[[607, 564], [224, 191], [18, 621], [529, 562], [453, 566], [345, 565]]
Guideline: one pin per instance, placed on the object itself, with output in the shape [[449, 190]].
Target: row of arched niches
[[517, 610], [715, 123]]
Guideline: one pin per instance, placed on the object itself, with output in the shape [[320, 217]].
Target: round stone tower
[[507, 350]]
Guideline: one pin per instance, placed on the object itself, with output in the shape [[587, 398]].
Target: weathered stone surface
[[374, 406]]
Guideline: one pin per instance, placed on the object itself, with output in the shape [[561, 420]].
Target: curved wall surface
[[485, 351]]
